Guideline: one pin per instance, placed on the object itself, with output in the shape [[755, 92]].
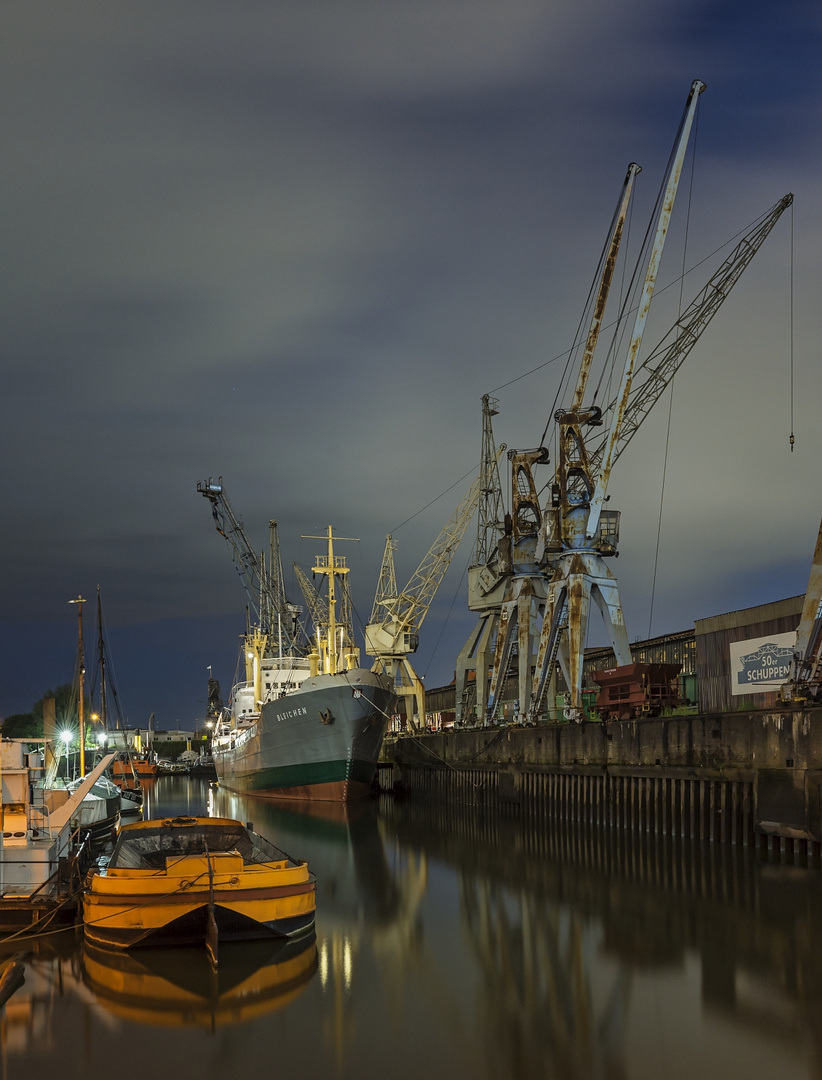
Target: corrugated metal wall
[[713, 662]]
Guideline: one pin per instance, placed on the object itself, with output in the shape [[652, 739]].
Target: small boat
[[131, 790], [166, 767], [131, 800], [204, 766], [194, 881], [128, 765], [99, 812]]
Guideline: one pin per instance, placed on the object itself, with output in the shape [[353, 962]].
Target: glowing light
[[66, 736], [323, 964], [348, 963]]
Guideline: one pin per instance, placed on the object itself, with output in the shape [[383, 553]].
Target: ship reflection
[[344, 847], [369, 894], [179, 988]]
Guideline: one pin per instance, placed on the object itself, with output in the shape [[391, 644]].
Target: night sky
[[293, 244]]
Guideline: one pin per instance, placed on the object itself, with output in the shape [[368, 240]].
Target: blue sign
[[768, 663]]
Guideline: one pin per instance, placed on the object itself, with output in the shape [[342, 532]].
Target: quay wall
[[751, 778]]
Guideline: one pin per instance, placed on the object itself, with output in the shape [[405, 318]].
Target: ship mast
[[103, 703], [81, 678], [332, 656]]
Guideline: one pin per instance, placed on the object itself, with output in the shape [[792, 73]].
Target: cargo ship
[[305, 726]]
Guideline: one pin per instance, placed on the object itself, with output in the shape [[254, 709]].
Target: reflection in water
[[452, 944], [564, 919], [179, 988], [361, 898], [538, 1003]]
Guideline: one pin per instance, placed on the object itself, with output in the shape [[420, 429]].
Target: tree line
[[30, 725]]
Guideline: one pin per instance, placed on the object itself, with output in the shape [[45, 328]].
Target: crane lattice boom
[[657, 370], [265, 591], [317, 608], [404, 612]]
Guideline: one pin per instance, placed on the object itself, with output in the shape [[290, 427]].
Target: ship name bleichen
[[292, 712]]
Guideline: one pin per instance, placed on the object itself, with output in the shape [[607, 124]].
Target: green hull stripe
[[318, 772]]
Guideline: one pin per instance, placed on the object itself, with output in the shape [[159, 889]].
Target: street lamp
[[66, 737]]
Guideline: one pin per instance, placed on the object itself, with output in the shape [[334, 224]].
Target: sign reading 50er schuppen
[[761, 665]]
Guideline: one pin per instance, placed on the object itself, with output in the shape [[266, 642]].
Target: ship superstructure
[[307, 721]]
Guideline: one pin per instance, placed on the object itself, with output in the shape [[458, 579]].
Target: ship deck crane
[[336, 649], [278, 619], [319, 612]]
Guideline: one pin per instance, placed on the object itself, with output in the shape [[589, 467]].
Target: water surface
[[449, 944]]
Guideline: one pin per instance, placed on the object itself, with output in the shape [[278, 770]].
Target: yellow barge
[[196, 880]]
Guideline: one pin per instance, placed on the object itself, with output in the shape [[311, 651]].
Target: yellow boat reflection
[[173, 987]]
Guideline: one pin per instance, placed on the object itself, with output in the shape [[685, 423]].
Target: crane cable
[[585, 317], [657, 292], [623, 292], [630, 299], [792, 439], [471, 472], [671, 397]]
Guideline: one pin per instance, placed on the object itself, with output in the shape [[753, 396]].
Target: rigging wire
[[585, 315], [673, 377], [657, 292], [622, 294], [792, 328], [446, 620], [471, 472]]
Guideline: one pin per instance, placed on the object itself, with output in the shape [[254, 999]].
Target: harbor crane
[[551, 573], [582, 474], [278, 619], [392, 633], [584, 535]]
